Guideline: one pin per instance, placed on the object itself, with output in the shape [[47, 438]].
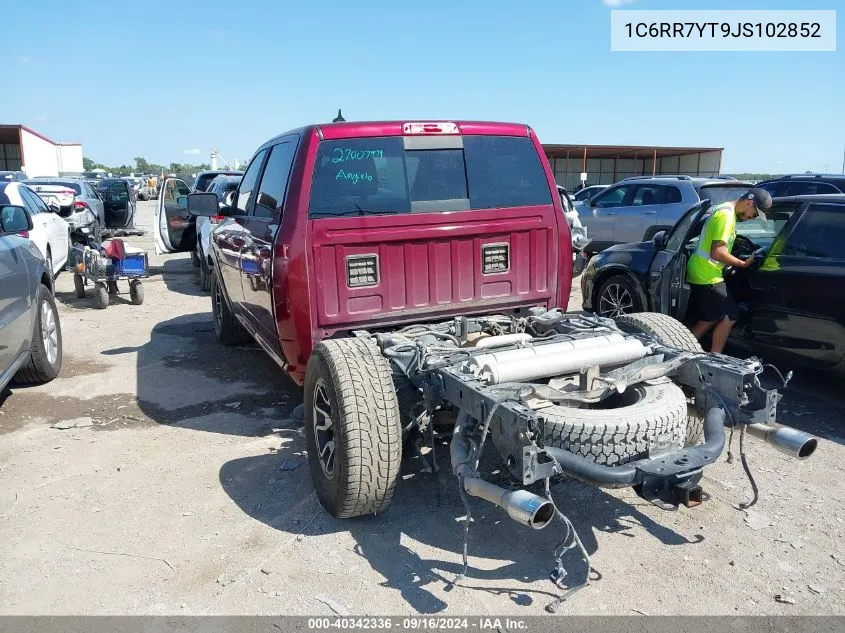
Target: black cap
[[761, 198]]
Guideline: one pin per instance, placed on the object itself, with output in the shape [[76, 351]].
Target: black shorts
[[714, 302]]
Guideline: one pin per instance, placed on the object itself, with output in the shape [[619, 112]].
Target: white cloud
[[615, 4], [192, 151]]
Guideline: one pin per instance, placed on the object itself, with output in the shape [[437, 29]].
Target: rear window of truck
[[379, 176]]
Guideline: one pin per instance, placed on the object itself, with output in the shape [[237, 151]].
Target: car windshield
[[378, 176], [763, 229], [717, 194], [62, 183], [204, 181]]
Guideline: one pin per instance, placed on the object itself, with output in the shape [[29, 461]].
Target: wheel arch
[[612, 271], [47, 280]]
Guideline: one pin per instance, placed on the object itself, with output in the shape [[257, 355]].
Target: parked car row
[[109, 200]]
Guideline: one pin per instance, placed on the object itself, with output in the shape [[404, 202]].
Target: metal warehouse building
[[23, 149], [606, 164]]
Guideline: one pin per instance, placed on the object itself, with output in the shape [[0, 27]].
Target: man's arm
[[719, 251]]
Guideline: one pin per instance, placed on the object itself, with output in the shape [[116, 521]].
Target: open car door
[[667, 287], [117, 205], [175, 228]]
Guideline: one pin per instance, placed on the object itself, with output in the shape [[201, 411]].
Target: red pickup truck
[[406, 273]]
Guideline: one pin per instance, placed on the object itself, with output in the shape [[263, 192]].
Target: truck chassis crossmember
[[509, 379]]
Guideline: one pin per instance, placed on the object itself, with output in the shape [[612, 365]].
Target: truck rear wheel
[[669, 331], [352, 427]]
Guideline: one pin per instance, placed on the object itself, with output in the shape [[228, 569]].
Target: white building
[[24, 149]]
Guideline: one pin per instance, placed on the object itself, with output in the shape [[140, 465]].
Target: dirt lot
[[183, 489]]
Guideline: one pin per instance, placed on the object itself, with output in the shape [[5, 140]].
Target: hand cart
[[93, 264]]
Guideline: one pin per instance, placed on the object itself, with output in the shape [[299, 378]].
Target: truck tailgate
[[389, 268]]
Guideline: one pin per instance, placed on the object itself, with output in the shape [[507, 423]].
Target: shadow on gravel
[[813, 403], [89, 302], [812, 400], [276, 489], [186, 378], [180, 276]]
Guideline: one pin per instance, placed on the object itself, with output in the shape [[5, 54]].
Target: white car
[[224, 187], [50, 233], [580, 241]]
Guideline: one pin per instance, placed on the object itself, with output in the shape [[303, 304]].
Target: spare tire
[[669, 331], [623, 427]]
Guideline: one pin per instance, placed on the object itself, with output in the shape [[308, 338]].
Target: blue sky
[[161, 80]]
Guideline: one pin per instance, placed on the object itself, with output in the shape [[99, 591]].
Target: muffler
[[786, 439], [522, 506], [554, 359]]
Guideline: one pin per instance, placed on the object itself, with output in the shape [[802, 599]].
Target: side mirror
[[659, 239], [54, 207], [14, 219], [204, 205], [229, 199]]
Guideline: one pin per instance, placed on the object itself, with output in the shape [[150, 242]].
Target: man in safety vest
[[713, 253]]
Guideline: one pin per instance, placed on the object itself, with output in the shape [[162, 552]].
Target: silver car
[[78, 208], [30, 333], [635, 209], [582, 195]]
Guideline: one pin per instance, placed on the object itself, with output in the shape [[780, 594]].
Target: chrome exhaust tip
[[793, 442], [522, 506]]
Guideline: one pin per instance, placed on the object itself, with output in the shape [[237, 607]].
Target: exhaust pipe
[[522, 506], [786, 439]]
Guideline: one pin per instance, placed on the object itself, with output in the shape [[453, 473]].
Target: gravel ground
[[181, 488]]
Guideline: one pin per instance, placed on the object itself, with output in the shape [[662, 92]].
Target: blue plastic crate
[[134, 265]]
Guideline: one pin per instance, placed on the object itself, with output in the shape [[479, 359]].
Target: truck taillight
[[216, 219], [430, 128], [78, 204], [23, 234]]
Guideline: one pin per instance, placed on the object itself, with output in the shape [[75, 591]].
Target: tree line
[[142, 166]]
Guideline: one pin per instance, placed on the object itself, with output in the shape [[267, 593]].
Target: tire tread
[[369, 416], [669, 331], [37, 370]]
